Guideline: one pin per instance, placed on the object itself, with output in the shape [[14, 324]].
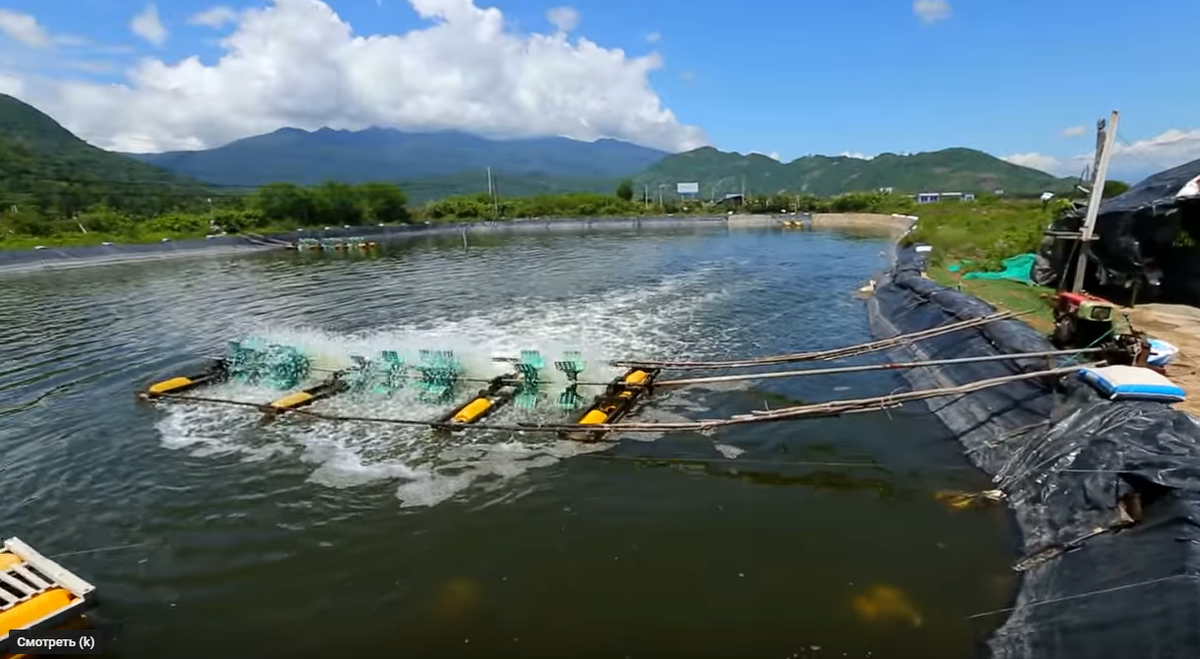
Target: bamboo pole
[[814, 410], [825, 355], [921, 394], [869, 367]]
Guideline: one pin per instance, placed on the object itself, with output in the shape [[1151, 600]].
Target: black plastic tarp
[[124, 251], [1106, 494], [1145, 241]]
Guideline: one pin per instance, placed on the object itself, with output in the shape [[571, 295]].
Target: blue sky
[[781, 78]]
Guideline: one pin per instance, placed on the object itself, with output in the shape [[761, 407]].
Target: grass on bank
[[1004, 295], [984, 234]]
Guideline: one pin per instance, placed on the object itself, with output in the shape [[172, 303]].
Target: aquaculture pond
[[207, 531]]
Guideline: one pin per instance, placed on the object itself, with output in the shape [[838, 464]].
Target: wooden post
[[1089, 223], [1100, 137], [493, 196]]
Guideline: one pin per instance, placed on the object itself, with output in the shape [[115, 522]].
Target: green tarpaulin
[[1017, 268]]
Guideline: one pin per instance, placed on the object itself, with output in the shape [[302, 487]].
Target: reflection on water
[[886, 604], [309, 538], [817, 479]]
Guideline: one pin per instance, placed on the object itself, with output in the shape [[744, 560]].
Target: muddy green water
[[207, 533]]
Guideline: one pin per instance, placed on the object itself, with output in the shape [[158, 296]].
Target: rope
[[1090, 346], [1103, 591], [815, 410], [825, 355], [650, 459]]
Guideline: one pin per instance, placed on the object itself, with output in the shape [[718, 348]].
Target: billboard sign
[[687, 188]]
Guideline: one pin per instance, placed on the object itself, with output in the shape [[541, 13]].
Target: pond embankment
[[71, 257], [1106, 493]]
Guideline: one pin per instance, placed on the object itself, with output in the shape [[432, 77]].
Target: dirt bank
[[897, 224], [1180, 326]]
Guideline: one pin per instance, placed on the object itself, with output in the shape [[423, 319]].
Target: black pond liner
[[1065, 458], [53, 256]]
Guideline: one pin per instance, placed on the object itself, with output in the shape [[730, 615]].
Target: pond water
[[206, 531]]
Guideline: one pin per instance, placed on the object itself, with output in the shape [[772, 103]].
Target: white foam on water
[[206, 430], [652, 321], [730, 452], [647, 323]]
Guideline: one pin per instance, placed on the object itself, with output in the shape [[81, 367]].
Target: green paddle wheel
[[572, 365], [440, 371], [256, 362], [377, 376], [529, 387]]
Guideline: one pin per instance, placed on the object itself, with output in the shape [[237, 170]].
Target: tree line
[[147, 212], [278, 206]]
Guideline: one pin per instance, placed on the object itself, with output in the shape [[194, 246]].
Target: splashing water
[[641, 321]]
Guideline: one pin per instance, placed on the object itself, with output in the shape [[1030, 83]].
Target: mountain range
[[39, 155], [451, 162], [948, 170], [375, 154]]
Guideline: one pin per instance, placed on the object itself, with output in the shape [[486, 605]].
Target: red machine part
[[1075, 299]]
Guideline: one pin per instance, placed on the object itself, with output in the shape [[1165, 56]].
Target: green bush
[[985, 234], [178, 223]]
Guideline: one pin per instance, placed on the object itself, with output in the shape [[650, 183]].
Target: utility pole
[[1105, 142], [660, 197]]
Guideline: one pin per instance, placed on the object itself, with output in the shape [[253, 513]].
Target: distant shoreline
[[60, 258]]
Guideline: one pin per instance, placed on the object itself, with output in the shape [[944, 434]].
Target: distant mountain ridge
[[384, 154], [44, 165], [948, 170], [33, 134], [40, 157]]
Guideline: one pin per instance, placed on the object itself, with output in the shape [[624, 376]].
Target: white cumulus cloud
[[215, 17], [1135, 160], [1074, 131], [855, 154], [563, 18], [148, 26], [654, 37], [1036, 161], [11, 85], [931, 11], [23, 28], [297, 63]]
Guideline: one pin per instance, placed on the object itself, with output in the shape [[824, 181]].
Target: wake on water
[[652, 321]]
